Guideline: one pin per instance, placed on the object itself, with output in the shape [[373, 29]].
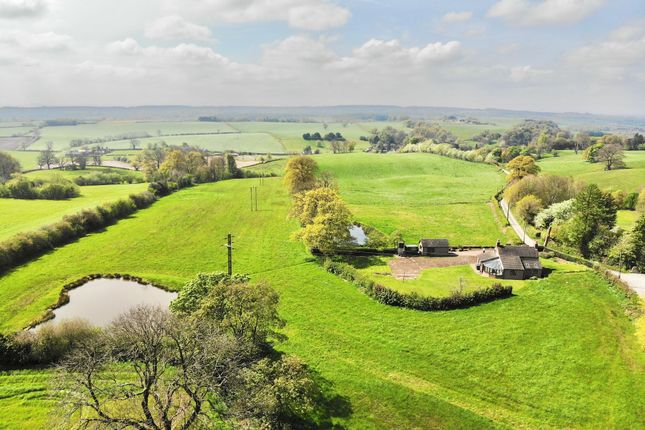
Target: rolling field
[[24, 215], [541, 359], [62, 135], [28, 159], [631, 179], [436, 197]]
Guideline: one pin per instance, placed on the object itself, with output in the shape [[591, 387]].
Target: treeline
[[107, 178], [74, 143], [387, 296], [329, 137]]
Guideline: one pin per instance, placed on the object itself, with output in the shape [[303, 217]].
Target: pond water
[[358, 235], [100, 301]]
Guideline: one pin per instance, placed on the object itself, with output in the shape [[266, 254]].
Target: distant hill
[[574, 121]]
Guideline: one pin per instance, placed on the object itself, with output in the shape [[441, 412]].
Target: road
[[636, 281], [516, 225]]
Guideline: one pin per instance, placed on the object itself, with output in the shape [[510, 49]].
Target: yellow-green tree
[[300, 174], [522, 166], [325, 220]]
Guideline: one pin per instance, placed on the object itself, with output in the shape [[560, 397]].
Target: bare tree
[[177, 365], [612, 155], [134, 143]]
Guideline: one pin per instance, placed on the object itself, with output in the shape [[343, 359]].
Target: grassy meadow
[[28, 159], [568, 163], [418, 195], [541, 359], [18, 216]]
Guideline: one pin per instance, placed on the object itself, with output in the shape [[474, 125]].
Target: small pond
[[358, 235], [100, 301]]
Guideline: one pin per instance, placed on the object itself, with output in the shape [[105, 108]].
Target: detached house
[[510, 262]]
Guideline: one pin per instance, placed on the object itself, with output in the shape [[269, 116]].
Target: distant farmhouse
[[426, 247], [510, 262]]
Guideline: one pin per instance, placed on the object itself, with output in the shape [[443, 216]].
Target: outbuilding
[[434, 247]]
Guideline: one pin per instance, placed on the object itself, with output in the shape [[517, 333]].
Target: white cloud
[[176, 27], [452, 17], [21, 8], [127, 46], [313, 15], [533, 13], [184, 53], [392, 51], [528, 74], [619, 57], [37, 42], [97, 70]]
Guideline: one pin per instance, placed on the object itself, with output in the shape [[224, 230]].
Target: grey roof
[[518, 251], [512, 257], [434, 243], [493, 264]]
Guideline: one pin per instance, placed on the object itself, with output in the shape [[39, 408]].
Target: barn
[[434, 247]]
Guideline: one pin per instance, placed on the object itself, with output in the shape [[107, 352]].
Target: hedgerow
[[388, 296]]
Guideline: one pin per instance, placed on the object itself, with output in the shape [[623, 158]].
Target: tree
[[640, 206], [635, 142], [612, 156], [593, 211], [8, 166], [231, 166], [387, 139], [528, 207], [630, 251], [325, 219], [582, 141], [522, 166], [47, 158], [134, 143], [300, 174]]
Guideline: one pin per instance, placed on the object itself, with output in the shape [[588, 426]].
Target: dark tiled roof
[[531, 263], [518, 251], [434, 243], [512, 262]]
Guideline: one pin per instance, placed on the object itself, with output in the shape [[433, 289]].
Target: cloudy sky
[[549, 55]]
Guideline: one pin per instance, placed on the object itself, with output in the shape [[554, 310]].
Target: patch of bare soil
[[404, 268]]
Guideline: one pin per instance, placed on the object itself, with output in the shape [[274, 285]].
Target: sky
[[540, 55]]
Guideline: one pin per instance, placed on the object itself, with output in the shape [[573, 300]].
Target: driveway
[[404, 268], [516, 225]]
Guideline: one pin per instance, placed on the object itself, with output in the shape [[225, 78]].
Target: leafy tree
[[630, 201], [528, 207], [134, 143], [612, 156], [8, 166], [591, 152], [630, 251], [325, 219], [582, 141], [557, 212], [641, 201], [528, 131], [47, 158], [522, 166], [636, 142], [387, 139], [593, 210], [300, 174]]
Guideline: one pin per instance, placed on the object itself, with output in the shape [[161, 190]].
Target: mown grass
[[627, 219], [560, 353], [28, 159], [18, 216], [567, 163]]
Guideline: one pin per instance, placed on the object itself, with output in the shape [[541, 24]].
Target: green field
[[28, 159], [540, 359], [62, 135], [14, 131], [631, 179], [25, 215], [626, 219]]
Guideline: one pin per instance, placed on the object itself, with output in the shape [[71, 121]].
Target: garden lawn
[[567, 163], [442, 281], [627, 219], [17, 216], [561, 353]]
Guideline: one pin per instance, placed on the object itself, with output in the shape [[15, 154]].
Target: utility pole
[[254, 199], [229, 245]]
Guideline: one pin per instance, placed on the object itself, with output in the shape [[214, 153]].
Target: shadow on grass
[[360, 262]]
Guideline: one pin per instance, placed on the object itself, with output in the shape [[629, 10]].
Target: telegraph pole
[[254, 199], [229, 245]]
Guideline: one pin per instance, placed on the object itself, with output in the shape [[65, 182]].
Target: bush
[[46, 345], [107, 178], [528, 207], [23, 188], [391, 297]]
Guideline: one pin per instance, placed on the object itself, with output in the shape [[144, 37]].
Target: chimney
[[498, 243]]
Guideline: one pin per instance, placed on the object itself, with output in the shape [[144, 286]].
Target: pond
[[100, 301], [358, 235]]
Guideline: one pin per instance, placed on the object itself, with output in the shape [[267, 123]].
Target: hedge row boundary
[[388, 296], [24, 247], [63, 298]]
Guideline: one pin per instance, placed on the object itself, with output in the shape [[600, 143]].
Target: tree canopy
[[300, 174]]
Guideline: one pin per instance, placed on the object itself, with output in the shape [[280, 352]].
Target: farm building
[[434, 247], [510, 262]]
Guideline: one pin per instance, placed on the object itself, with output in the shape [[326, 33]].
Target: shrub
[[107, 178], [528, 207], [143, 200], [23, 188], [630, 201]]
